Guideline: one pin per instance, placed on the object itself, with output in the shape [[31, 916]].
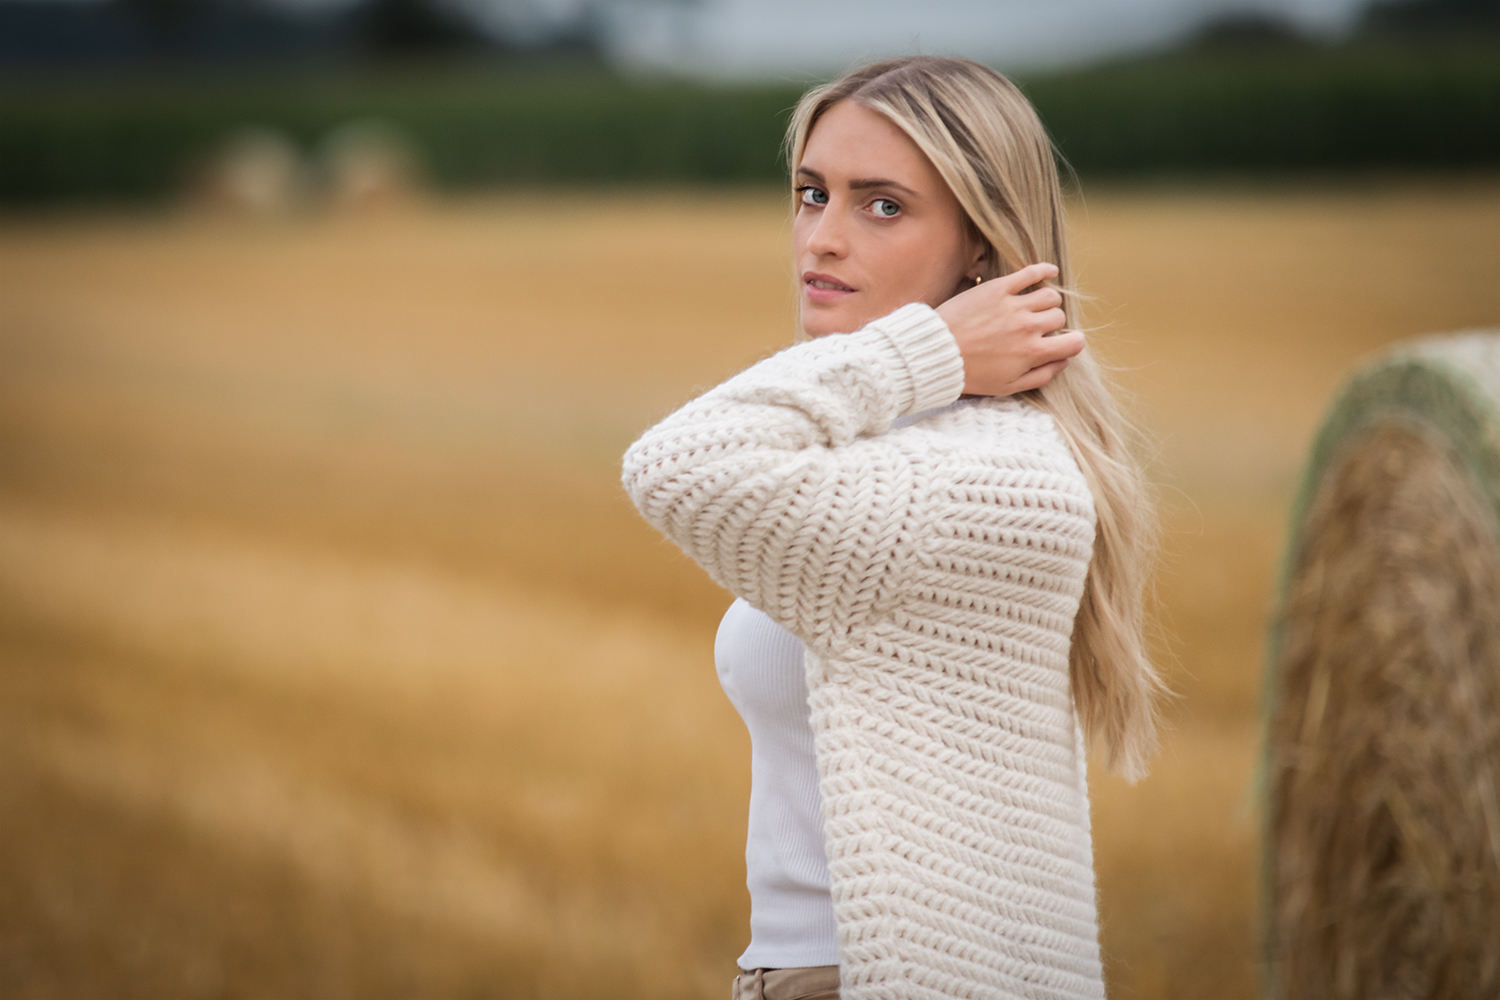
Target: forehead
[[852, 142]]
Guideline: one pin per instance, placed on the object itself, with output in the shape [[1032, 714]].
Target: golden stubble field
[[334, 664]]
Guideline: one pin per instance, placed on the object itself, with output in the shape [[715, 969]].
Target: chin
[[822, 324], [812, 329]]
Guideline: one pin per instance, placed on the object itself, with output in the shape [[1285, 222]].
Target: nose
[[829, 235]]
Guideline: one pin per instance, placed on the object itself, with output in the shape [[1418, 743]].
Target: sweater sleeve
[[782, 482]]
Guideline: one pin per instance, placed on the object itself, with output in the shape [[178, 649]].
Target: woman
[[939, 542]]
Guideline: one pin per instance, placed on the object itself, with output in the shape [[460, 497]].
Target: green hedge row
[[473, 130], [1302, 110], [1299, 111]]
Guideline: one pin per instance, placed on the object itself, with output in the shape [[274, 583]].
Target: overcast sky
[[800, 39], [795, 38]]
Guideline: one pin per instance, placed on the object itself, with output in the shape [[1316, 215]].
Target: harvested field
[[334, 664]]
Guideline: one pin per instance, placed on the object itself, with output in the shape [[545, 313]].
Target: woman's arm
[[780, 482]]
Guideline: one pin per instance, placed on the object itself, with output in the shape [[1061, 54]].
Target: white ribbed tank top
[[786, 865]]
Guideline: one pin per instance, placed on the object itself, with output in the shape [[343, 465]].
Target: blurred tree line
[[1415, 86], [42, 35]]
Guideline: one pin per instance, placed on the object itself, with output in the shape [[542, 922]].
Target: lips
[[824, 287]]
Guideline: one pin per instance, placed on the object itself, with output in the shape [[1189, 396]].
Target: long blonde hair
[[987, 142]]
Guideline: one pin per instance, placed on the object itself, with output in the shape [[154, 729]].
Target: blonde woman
[[938, 541]]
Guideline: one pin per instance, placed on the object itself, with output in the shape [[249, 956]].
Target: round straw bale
[[1382, 767]]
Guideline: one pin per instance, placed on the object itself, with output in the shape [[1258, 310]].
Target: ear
[[980, 257]]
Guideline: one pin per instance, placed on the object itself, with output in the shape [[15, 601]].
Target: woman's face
[[875, 226]]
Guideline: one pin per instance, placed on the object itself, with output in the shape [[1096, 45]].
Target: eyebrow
[[861, 183]]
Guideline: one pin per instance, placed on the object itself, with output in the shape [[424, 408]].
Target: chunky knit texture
[[934, 572]]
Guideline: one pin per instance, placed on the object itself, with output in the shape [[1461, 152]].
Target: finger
[[1058, 347], [1044, 323], [1027, 276], [1043, 298], [1038, 376]]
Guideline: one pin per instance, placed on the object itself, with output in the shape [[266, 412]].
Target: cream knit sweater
[[933, 572]]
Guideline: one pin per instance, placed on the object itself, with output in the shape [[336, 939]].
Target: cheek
[[923, 266], [799, 235]]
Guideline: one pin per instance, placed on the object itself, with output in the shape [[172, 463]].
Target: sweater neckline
[[906, 420]]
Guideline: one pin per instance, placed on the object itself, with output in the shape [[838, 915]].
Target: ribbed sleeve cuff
[[933, 368]]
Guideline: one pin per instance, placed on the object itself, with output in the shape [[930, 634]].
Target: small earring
[[978, 278]]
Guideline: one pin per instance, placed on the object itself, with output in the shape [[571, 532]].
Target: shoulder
[[995, 440]]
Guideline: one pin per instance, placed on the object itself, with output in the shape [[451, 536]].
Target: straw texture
[[1382, 866]]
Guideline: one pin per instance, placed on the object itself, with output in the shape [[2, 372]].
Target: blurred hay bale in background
[[1383, 836], [255, 171], [362, 165], [369, 164]]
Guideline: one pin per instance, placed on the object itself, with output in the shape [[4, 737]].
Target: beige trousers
[[820, 982]]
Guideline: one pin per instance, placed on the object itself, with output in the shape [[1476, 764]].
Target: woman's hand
[[1009, 340]]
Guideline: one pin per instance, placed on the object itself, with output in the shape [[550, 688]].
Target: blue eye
[[813, 196], [884, 207]]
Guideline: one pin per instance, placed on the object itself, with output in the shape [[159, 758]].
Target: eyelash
[[802, 197]]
